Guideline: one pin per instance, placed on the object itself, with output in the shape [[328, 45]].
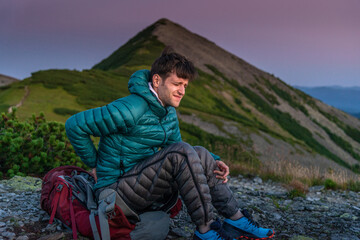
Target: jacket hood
[[138, 84]]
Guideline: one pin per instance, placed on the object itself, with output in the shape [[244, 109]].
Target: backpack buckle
[[111, 215], [59, 188]]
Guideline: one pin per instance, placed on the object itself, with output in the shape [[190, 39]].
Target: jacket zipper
[[163, 126], [164, 132]]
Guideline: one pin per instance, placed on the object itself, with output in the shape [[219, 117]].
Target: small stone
[[24, 237], [312, 199], [34, 219], [181, 233], [344, 237], [54, 236], [316, 188], [258, 180], [2, 224], [300, 238], [276, 194], [298, 199], [356, 208], [276, 216], [349, 216], [50, 227], [3, 213], [9, 235], [46, 218]]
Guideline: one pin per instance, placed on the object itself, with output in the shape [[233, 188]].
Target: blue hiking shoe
[[216, 233], [246, 228]]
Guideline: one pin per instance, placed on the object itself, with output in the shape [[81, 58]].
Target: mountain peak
[[148, 44]]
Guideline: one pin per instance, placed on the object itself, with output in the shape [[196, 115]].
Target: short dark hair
[[172, 62]]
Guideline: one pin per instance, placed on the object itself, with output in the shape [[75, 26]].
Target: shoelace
[[251, 221], [222, 234]]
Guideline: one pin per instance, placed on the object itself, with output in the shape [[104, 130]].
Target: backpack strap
[[55, 202], [87, 195], [106, 205], [93, 225], [72, 215], [128, 212]]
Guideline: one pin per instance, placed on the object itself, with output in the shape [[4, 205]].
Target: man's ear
[[156, 80]]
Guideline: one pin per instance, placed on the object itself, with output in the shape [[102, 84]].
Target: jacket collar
[[138, 84]]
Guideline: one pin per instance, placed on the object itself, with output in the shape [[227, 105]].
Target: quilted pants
[[178, 167]]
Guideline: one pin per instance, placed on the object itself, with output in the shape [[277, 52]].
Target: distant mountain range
[[245, 115], [344, 98]]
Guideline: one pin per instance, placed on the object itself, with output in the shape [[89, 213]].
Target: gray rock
[[300, 238], [24, 237], [54, 236], [181, 232], [344, 237], [276, 216], [258, 180], [9, 235], [316, 188], [312, 199], [3, 213]]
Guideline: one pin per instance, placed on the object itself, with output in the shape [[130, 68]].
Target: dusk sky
[[303, 42]]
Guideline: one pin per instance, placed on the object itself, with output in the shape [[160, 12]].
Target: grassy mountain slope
[[233, 108], [6, 80]]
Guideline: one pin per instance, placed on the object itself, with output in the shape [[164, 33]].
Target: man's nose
[[182, 90]]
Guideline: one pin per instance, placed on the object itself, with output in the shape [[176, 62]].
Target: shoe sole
[[235, 233], [251, 238]]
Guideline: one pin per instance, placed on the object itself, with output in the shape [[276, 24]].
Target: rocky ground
[[322, 214]]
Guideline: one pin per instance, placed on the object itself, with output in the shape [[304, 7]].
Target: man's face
[[170, 90]]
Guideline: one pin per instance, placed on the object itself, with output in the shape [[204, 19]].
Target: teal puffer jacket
[[130, 129]]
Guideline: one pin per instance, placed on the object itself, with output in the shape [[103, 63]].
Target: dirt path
[[27, 92]]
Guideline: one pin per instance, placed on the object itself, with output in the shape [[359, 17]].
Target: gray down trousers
[[177, 168]]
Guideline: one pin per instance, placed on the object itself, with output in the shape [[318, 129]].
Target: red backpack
[[67, 194]]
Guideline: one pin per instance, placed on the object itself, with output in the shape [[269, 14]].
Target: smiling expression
[[170, 90]]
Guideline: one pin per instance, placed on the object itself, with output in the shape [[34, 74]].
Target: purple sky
[[304, 42]]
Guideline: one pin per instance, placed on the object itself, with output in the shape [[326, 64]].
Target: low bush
[[33, 147], [330, 184], [65, 111]]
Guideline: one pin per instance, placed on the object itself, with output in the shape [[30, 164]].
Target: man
[[142, 157]]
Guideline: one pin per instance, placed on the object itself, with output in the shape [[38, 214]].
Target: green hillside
[[240, 107]]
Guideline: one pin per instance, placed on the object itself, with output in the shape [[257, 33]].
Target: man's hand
[[223, 172], [93, 171]]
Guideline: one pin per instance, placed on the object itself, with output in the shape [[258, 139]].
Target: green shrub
[[354, 133], [330, 184], [341, 143], [353, 186], [33, 147], [287, 97], [65, 111], [296, 193]]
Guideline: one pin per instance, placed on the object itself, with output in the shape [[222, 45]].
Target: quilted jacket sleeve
[[176, 136], [112, 118]]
